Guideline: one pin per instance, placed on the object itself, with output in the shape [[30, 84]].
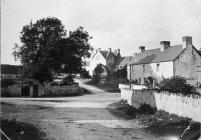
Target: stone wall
[[175, 104], [180, 105], [57, 90], [136, 98]]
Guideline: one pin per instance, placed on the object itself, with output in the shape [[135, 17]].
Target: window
[[143, 68], [157, 67], [139, 80], [145, 79]]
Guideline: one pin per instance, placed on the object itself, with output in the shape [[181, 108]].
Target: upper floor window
[[143, 68], [157, 67]]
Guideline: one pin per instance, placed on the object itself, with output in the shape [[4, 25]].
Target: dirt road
[[75, 118]]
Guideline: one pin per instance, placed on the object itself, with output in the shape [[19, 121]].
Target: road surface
[[75, 118]]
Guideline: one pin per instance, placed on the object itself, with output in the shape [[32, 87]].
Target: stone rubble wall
[[185, 106], [180, 105]]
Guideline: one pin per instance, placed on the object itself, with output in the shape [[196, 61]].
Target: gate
[[35, 90], [25, 90]]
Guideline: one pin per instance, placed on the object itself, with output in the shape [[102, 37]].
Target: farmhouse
[[167, 61]]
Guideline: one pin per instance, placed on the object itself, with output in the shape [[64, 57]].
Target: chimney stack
[[186, 41], [142, 48], [118, 51], [164, 45], [109, 49], [98, 50], [134, 54]]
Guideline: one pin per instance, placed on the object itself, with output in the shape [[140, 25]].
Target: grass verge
[[159, 123], [20, 131]]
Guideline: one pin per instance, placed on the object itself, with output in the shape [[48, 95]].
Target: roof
[[199, 51], [106, 54], [156, 55], [10, 69], [125, 60]]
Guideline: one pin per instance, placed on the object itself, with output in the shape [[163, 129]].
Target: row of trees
[[47, 48]]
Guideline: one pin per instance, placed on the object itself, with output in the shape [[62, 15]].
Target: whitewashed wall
[[175, 104], [180, 105], [97, 59], [165, 69], [126, 94]]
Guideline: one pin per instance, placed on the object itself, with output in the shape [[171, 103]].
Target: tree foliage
[[176, 85], [97, 73], [46, 48], [120, 73]]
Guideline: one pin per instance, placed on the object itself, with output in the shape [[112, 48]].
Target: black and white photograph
[[100, 70]]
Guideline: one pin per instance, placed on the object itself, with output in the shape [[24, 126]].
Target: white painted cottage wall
[[97, 59]]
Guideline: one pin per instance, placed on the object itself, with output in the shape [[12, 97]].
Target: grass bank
[[20, 131]]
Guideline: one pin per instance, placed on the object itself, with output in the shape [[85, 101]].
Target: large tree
[[46, 48]]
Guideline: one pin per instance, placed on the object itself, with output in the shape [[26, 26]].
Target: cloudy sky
[[124, 24]]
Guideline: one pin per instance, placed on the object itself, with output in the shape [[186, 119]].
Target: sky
[[123, 24]]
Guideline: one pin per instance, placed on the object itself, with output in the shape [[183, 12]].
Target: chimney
[[142, 48], [164, 45], [186, 41], [134, 54], [109, 49], [98, 50], [118, 51]]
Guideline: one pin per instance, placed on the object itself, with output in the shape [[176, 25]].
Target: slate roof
[[156, 55], [10, 69], [125, 60]]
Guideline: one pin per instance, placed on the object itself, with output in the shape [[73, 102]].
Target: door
[[25, 90]]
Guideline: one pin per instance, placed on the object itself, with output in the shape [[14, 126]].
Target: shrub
[[97, 73], [120, 73], [85, 74], [176, 85], [68, 80]]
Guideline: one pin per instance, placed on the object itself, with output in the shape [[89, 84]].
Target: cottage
[[107, 58], [165, 62]]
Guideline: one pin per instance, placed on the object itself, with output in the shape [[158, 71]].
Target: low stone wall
[[126, 94], [180, 105], [175, 104], [136, 98], [10, 92], [140, 97], [57, 90]]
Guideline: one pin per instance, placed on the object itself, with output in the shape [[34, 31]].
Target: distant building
[[165, 62], [108, 59], [10, 71]]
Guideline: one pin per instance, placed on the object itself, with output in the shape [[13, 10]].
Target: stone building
[[165, 62], [106, 58]]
